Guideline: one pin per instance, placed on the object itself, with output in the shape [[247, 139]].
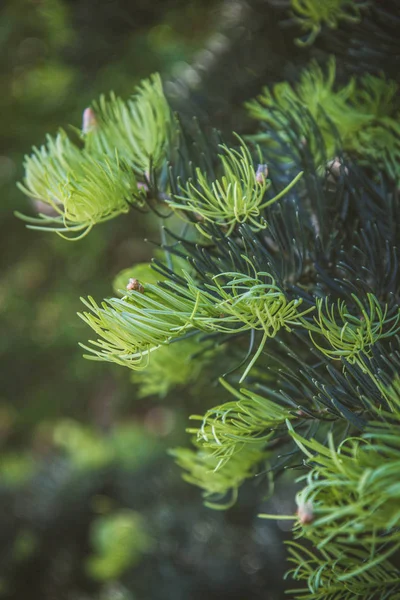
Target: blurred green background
[[91, 506]]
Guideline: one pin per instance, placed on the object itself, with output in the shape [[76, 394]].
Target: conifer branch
[[237, 197], [360, 118], [82, 189], [312, 15]]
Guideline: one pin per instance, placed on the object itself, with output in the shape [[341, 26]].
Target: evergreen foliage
[[238, 197], [353, 495], [119, 139], [140, 129], [360, 118], [296, 274], [54, 175], [312, 16], [175, 365]]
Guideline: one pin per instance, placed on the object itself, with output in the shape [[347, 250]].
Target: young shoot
[[239, 196], [347, 334], [140, 129], [360, 117], [227, 428], [132, 327], [244, 303], [312, 15], [81, 189], [354, 493], [220, 487]]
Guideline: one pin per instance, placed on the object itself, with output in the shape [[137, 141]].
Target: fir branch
[[82, 189], [349, 335], [220, 486], [141, 129], [227, 428], [134, 326], [237, 197], [360, 117], [320, 573], [249, 303], [229, 303], [355, 511], [313, 15]]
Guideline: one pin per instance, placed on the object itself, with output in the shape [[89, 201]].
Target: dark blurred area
[[91, 505]]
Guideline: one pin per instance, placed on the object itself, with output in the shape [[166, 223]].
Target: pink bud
[[261, 174], [305, 513], [89, 121], [134, 284]]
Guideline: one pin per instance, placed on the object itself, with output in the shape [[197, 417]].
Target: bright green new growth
[[361, 117], [89, 185], [174, 365], [247, 302], [139, 323], [140, 129], [254, 419], [219, 484], [320, 572], [312, 15], [353, 493], [237, 197], [349, 335], [134, 326], [251, 303], [80, 188], [226, 429]]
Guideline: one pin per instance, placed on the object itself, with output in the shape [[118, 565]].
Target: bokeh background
[[91, 505]]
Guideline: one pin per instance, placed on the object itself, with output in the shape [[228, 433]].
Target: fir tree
[[281, 246]]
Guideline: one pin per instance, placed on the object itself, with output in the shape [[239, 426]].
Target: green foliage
[[353, 493], [121, 139], [119, 541], [227, 429], [140, 129], [361, 117], [324, 575], [55, 175], [174, 365], [220, 486], [312, 15], [246, 302], [349, 335], [238, 197], [320, 265], [139, 323]]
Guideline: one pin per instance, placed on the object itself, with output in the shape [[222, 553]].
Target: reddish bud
[[134, 284], [305, 513]]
